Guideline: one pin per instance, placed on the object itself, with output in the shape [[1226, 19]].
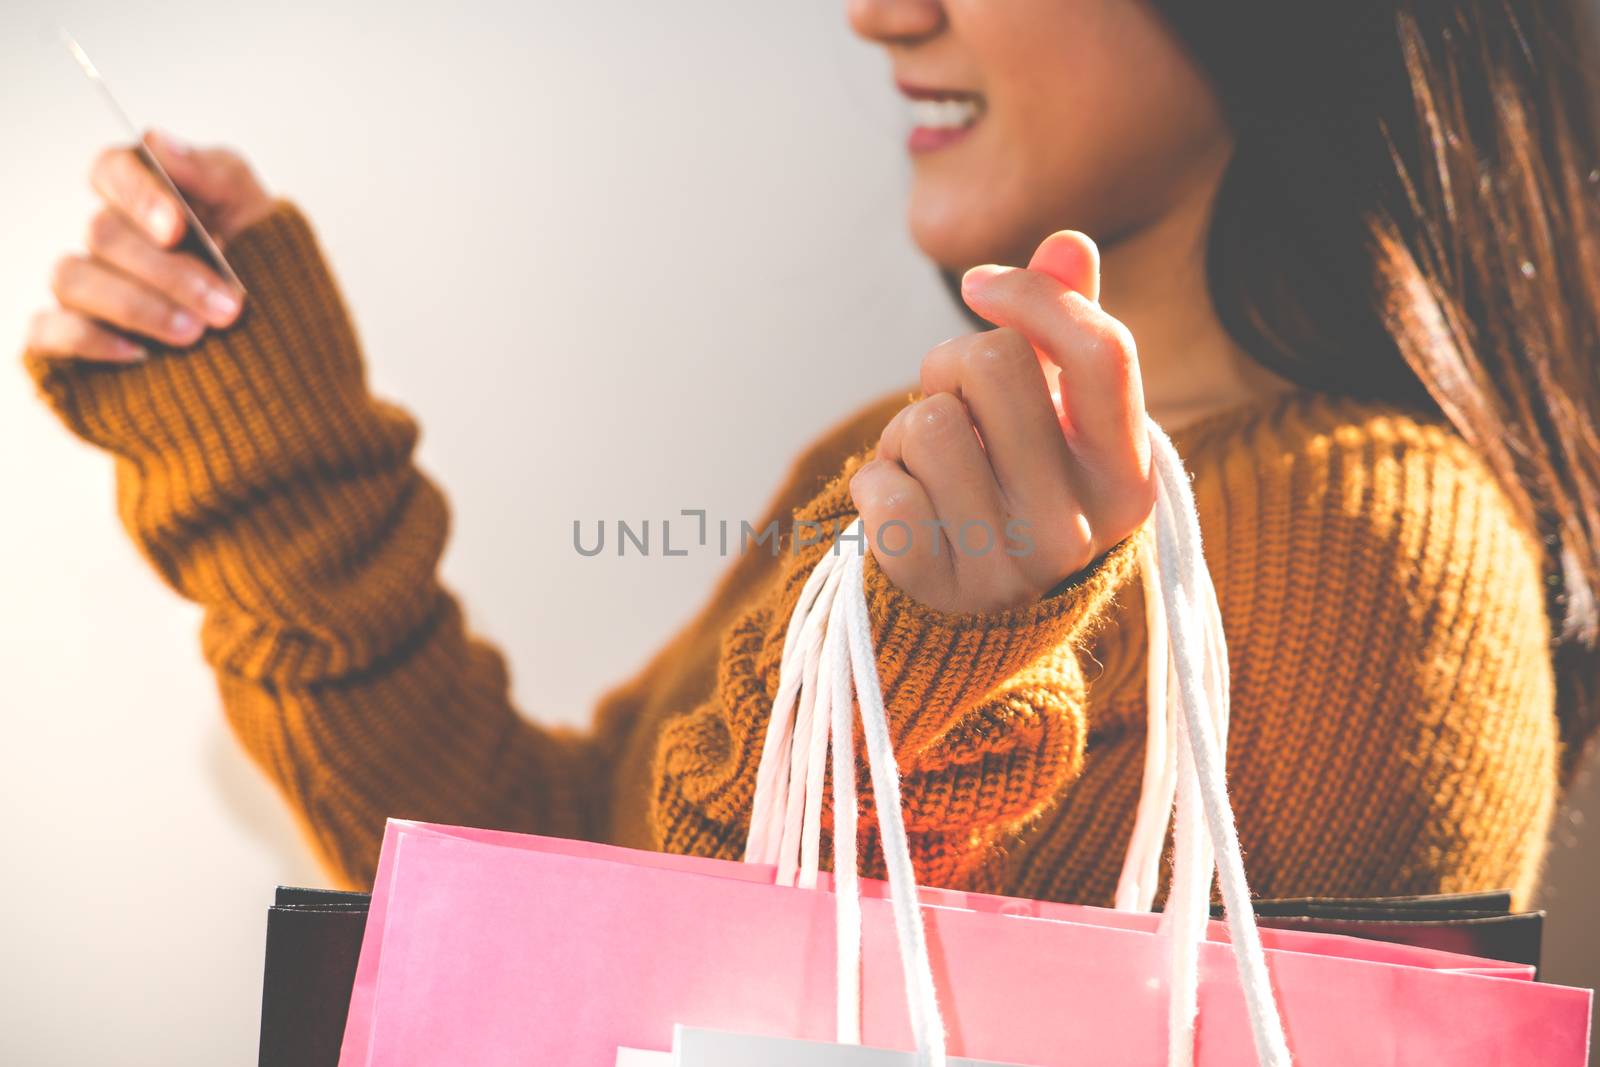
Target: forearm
[[265, 482], [254, 469], [427, 733]]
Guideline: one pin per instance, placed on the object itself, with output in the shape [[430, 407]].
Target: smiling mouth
[[940, 117]]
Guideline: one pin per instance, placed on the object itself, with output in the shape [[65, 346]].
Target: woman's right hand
[[131, 284], [1034, 432]]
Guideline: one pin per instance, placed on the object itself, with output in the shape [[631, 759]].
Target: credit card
[[197, 240]]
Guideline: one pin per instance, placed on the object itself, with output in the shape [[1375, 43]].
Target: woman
[[1354, 248]]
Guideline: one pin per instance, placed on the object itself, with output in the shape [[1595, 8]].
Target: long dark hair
[[1412, 213]]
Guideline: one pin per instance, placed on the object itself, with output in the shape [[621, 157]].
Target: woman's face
[[1032, 116]]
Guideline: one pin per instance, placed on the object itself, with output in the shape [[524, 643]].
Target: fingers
[[1073, 260], [939, 447], [121, 178], [60, 332], [217, 181], [182, 279], [211, 174], [998, 377], [100, 292], [1046, 483], [963, 534], [901, 528], [1101, 395], [133, 280], [1026, 488]]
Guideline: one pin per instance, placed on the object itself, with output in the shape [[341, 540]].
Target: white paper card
[[718, 1048]]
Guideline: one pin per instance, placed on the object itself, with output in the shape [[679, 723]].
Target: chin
[[961, 232]]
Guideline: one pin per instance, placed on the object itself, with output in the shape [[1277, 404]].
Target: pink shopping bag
[[490, 948]]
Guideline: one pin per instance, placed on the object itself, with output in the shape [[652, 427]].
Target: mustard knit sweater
[[1393, 727]]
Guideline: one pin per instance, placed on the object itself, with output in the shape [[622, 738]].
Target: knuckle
[[869, 495], [1138, 501], [123, 174], [879, 495], [167, 274], [102, 230], [935, 420], [889, 502], [1111, 343], [939, 358], [226, 168], [64, 274], [891, 432], [146, 312], [1120, 515], [1060, 532], [105, 162], [79, 335], [999, 353], [1122, 342]]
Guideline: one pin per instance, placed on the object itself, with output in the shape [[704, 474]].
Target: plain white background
[[619, 258]]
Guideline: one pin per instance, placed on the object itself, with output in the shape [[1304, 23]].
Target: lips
[[940, 117]]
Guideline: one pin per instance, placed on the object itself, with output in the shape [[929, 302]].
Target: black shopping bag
[[313, 942], [1475, 924]]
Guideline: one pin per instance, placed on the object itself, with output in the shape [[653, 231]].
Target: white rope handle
[[1188, 907], [847, 900], [770, 805], [922, 999], [1188, 711], [819, 669], [1136, 889], [1189, 601]]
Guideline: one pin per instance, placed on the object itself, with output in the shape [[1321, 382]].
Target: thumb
[[1072, 259]]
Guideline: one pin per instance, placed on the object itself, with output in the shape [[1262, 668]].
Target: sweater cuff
[[943, 663], [935, 666], [280, 392]]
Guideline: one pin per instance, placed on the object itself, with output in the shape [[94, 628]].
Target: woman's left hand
[[1027, 457]]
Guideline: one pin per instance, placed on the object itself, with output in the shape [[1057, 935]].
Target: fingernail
[[161, 220], [126, 349], [222, 306], [978, 277], [183, 323]]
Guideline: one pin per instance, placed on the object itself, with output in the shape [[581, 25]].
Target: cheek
[[1107, 142], [1047, 154]]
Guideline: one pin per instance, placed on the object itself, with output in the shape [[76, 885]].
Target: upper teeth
[[944, 114]]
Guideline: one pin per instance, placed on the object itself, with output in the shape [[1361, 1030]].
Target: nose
[[895, 21]]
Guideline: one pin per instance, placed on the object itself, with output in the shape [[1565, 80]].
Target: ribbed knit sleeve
[[262, 480]]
